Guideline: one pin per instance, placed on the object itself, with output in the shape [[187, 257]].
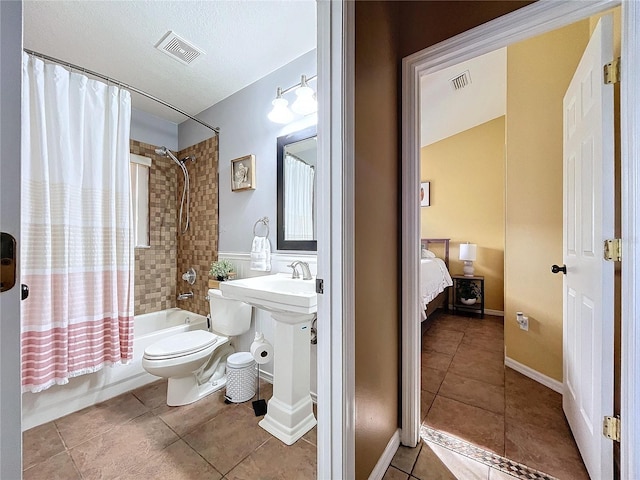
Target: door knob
[[556, 269]]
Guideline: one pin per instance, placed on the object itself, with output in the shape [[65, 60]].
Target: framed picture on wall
[[424, 194], [243, 173]]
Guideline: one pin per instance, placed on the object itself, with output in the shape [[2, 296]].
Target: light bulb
[[306, 102], [280, 112]]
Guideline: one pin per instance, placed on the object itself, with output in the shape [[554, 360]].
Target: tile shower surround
[[171, 254], [199, 246], [154, 265]]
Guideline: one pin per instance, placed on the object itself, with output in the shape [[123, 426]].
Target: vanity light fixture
[[306, 102], [280, 112]]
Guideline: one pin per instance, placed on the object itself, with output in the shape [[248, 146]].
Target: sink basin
[[275, 293]]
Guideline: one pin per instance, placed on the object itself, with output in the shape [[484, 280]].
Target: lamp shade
[[468, 251]]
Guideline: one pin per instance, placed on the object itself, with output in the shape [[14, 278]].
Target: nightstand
[[474, 285]]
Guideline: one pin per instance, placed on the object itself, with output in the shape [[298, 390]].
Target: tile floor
[[137, 436], [466, 392], [469, 394]]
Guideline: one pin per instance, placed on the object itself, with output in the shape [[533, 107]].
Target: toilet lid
[[181, 344]]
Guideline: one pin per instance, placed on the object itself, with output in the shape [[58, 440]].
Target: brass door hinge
[[612, 72], [613, 250], [611, 428]]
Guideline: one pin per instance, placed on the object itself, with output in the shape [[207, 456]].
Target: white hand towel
[[261, 254]]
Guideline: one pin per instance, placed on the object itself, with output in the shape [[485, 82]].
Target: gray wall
[[10, 85], [148, 128], [245, 129]]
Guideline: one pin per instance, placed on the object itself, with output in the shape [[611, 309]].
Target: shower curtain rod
[[300, 160], [120, 84]]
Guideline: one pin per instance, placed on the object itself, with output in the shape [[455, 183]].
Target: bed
[[434, 276]]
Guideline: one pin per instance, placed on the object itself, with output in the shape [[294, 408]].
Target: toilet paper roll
[[261, 351]]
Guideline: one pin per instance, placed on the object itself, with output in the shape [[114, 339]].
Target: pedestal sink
[[293, 305]]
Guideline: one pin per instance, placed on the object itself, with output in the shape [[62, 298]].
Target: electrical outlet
[[524, 323]]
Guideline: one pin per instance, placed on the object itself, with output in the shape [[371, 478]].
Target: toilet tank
[[228, 317]]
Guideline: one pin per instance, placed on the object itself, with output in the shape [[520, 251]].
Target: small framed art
[[243, 173], [424, 194]]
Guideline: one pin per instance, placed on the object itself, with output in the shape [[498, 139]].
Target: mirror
[[297, 158]]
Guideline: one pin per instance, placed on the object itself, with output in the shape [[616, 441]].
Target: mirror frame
[[282, 243]]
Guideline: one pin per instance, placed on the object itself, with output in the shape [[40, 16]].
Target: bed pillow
[[428, 253]]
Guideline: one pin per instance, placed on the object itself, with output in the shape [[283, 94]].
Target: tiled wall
[[199, 246], [159, 269], [155, 267]]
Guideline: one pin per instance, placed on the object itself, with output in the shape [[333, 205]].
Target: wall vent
[[178, 48], [460, 81]]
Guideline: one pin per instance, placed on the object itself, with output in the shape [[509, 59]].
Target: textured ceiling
[[243, 41], [445, 111]]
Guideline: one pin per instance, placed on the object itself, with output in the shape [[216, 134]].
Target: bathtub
[[87, 390]]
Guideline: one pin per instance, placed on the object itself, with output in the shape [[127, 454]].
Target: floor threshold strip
[[481, 455]]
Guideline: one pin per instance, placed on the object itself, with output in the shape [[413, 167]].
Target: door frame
[[535, 19], [336, 239], [336, 338]]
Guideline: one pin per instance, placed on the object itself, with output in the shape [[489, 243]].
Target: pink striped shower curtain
[[77, 244]]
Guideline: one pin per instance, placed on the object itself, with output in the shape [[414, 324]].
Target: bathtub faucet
[[185, 296]]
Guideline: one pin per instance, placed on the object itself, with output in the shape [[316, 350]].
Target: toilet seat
[[182, 344]]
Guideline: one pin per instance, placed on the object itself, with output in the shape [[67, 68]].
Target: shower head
[[164, 151]]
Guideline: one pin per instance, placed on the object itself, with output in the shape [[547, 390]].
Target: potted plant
[[468, 292], [222, 270]]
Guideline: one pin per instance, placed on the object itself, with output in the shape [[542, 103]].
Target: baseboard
[[385, 459], [487, 311], [552, 383], [268, 377]]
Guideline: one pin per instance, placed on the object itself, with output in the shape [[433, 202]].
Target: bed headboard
[[445, 245]]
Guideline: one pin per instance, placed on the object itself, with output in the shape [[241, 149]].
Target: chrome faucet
[[306, 272], [185, 296]]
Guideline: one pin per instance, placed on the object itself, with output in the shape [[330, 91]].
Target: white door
[[588, 221], [10, 78]]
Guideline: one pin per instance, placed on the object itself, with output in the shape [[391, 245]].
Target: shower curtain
[[298, 187], [77, 243]]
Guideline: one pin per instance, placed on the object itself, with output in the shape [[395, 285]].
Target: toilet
[[195, 361]]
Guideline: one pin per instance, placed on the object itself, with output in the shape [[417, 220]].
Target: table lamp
[[468, 255]]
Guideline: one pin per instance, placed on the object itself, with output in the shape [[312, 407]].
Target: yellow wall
[[538, 73], [466, 172]]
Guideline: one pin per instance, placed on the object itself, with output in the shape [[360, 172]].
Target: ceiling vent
[[178, 48], [460, 81]]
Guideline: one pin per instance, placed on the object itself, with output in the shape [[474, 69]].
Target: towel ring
[[265, 222]]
